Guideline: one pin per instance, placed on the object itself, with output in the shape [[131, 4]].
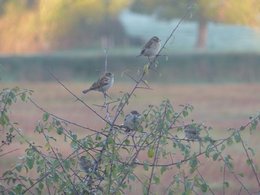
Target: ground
[[221, 106]]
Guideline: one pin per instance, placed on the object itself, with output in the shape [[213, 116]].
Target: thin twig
[[62, 119], [251, 161], [156, 154], [106, 54], [224, 180], [201, 176], [77, 98], [234, 175], [8, 152]]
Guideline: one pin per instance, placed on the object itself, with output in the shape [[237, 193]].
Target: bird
[[132, 121], [102, 84], [85, 164], [151, 48], [191, 132]]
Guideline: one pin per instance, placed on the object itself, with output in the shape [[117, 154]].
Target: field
[[221, 106], [176, 67]]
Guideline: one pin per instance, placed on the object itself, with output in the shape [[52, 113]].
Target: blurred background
[[212, 61], [219, 41]]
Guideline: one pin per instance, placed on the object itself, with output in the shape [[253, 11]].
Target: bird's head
[[156, 39], [135, 113], [109, 74]]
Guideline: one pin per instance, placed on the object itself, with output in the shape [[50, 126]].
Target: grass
[[218, 105]]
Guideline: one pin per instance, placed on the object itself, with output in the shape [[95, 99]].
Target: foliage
[[229, 11], [113, 155], [50, 24]]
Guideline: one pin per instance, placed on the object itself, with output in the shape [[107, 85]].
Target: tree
[[245, 12], [55, 24]]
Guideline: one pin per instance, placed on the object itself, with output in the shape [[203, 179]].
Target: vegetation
[[47, 25], [54, 24], [157, 148], [245, 12], [108, 160], [178, 68]]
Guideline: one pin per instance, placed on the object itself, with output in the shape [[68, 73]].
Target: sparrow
[[151, 48], [191, 132], [103, 83], [132, 120], [85, 164]]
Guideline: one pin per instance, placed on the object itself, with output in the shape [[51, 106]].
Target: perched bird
[[151, 48], [132, 120], [85, 164], [103, 83], [191, 132]]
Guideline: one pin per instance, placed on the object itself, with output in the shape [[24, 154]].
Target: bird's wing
[[100, 83], [148, 44], [104, 81], [126, 117]]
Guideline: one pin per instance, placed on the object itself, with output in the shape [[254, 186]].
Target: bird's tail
[[85, 91], [140, 54]]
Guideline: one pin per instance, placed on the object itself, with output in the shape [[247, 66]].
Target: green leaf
[[185, 113], [193, 163], [67, 164], [215, 156], [23, 96], [146, 166], [254, 124], [163, 169], [19, 167], [4, 120], [204, 187], [156, 179], [30, 162], [226, 184], [45, 116], [127, 141], [230, 141], [223, 147], [74, 144], [151, 152], [237, 137], [59, 130], [41, 185], [171, 192], [18, 189], [131, 177], [251, 150], [249, 162], [47, 146]]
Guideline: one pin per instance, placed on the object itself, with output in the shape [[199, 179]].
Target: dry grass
[[219, 106]]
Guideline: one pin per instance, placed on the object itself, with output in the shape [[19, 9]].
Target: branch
[[77, 98], [8, 152], [156, 153], [251, 161], [64, 120]]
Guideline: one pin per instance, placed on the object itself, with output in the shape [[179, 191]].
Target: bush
[[180, 68]]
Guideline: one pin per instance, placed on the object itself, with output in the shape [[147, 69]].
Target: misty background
[[217, 42]]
